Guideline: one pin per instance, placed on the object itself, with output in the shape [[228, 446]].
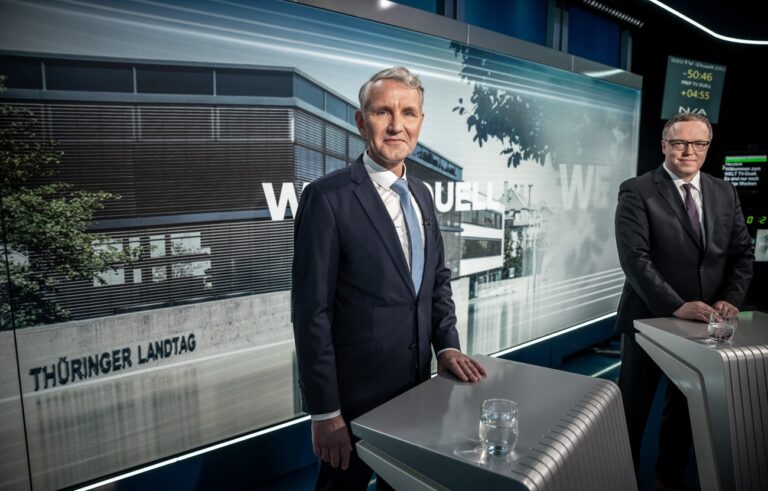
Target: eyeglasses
[[699, 146]]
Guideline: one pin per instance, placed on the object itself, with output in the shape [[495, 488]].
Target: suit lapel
[[667, 189], [371, 202], [708, 206]]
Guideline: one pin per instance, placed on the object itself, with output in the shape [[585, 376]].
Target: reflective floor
[[531, 307]]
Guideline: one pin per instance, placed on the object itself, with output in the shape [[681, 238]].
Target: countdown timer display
[[756, 219], [694, 87]]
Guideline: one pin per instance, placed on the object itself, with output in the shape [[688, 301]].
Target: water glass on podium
[[722, 326], [498, 426]]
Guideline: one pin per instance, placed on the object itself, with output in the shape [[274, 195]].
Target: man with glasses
[[684, 247]]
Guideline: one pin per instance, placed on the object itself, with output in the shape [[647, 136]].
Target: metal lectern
[[725, 384], [572, 433]]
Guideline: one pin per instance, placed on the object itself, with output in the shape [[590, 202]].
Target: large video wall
[[148, 224]]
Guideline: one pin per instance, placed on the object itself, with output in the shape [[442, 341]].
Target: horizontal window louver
[[186, 264]]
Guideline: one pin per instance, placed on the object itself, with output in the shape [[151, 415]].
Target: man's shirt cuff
[[324, 416], [446, 349]]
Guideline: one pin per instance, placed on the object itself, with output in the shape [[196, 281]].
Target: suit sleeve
[[633, 242], [738, 270], [444, 334], [315, 263]]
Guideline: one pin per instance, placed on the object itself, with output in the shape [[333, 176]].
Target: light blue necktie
[[414, 232]]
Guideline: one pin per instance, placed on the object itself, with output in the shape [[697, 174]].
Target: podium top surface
[[435, 423], [751, 331], [727, 383]]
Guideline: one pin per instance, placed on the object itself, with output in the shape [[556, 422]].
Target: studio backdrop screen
[[203, 121]]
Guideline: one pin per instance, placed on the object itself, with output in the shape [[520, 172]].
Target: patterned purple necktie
[[693, 212]]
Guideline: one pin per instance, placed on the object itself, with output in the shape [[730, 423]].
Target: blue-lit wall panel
[[523, 19], [593, 37]]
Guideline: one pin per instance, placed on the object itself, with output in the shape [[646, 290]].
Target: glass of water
[[721, 326], [498, 426]]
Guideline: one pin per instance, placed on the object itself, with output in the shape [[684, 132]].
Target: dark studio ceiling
[[733, 18]]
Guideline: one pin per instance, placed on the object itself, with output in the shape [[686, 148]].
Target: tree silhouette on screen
[[43, 233], [493, 112]]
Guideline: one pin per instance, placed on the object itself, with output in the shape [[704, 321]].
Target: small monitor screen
[[745, 172], [761, 245]]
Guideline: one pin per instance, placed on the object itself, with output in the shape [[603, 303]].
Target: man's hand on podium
[[695, 311], [459, 364], [725, 308], [699, 311]]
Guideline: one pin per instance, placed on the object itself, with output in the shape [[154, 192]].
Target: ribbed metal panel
[[309, 130], [100, 124], [101, 166], [335, 141], [309, 164], [172, 123], [322, 147], [580, 451], [746, 391], [254, 124], [356, 147], [176, 166], [332, 164], [207, 177]]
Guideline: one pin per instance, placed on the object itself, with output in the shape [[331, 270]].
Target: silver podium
[[726, 388], [572, 433]]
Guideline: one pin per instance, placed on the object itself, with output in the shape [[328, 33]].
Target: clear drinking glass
[[731, 323], [721, 326], [498, 426]]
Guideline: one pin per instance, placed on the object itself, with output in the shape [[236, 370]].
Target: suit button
[[412, 346]]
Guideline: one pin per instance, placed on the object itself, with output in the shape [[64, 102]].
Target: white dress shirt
[[382, 180]]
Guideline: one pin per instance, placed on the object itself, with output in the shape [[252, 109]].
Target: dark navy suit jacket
[[666, 265], [363, 335]]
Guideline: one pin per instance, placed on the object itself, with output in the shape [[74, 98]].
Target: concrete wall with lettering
[[109, 346], [96, 349], [240, 376]]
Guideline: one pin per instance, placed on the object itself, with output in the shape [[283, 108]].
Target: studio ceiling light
[[614, 12], [705, 28]]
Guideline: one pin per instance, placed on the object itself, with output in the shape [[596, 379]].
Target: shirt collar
[[678, 181], [379, 174]]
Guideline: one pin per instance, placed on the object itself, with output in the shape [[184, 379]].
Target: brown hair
[[682, 117]]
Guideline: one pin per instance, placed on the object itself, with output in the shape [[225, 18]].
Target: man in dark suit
[[685, 250], [371, 294]]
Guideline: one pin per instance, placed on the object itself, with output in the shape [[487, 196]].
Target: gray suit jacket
[[664, 263]]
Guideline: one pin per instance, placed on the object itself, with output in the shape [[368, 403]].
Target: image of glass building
[[199, 156]]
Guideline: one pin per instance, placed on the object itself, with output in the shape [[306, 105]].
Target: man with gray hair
[[371, 294]]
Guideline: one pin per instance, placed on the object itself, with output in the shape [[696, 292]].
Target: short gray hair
[[683, 117], [399, 74]]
